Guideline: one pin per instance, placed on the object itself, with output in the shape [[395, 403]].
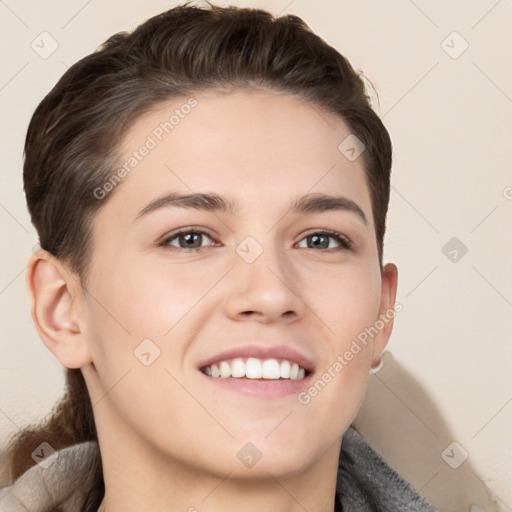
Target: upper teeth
[[254, 368]]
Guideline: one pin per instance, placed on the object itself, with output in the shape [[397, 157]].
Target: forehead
[[255, 146]]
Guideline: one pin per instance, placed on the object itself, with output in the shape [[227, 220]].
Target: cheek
[[144, 301], [149, 314], [349, 309], [168, 291], [349, 303]]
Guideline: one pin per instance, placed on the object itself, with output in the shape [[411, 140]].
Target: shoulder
[[61, 478]]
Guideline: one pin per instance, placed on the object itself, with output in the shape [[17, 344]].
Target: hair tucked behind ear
[[73, 139]]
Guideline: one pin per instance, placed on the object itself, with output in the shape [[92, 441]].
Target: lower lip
[[267, 388]]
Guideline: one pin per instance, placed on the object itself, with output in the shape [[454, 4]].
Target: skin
[[169, 436]]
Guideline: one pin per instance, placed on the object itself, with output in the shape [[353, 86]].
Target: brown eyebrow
[[198, 201], [310, 203], [314, 203]]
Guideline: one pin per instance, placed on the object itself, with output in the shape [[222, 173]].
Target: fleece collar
[[366, 482]]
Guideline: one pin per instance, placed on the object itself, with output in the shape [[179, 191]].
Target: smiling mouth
[[254, 368]]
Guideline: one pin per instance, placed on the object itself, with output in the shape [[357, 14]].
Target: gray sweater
[[366, 482]]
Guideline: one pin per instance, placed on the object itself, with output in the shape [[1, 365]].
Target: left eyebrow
[[309, 203], [315, 203]]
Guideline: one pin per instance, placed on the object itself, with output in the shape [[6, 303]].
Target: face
[[241, 242]]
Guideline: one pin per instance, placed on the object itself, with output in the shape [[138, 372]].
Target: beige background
[[447, 375]]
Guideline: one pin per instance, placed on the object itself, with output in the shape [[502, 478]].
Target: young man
[[210, 193]]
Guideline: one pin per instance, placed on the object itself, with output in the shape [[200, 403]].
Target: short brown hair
[[73, 137]]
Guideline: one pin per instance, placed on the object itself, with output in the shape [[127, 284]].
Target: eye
[[323, 240], [188, 239]]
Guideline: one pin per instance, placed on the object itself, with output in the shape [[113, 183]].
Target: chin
[[275, 464]]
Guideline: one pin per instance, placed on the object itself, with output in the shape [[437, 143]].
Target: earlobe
[[386, 312], [53, 292]]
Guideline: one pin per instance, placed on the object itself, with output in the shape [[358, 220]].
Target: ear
[[387, 311], [55, 305]]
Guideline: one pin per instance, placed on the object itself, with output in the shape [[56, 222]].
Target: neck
[[223, 496], [143, 479]]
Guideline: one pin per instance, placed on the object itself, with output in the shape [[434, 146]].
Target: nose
[[265, 291]]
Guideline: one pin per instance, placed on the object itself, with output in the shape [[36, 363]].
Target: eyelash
[[344, 242]]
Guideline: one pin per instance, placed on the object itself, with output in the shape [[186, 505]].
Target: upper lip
[[261, 352]]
